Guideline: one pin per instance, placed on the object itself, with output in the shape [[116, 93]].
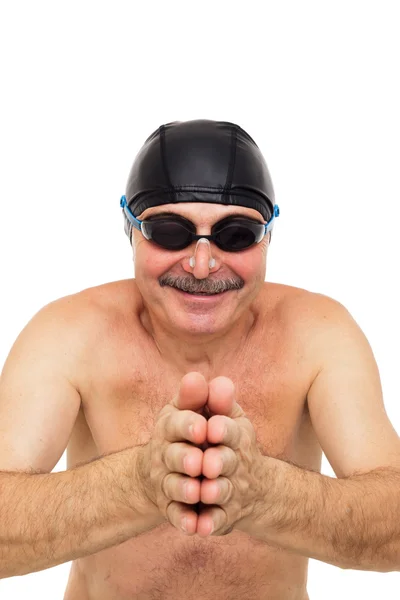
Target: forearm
[[48, 519], [351, 523]]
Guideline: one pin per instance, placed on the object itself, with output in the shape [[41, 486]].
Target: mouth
[[189, 286], [202, 294]]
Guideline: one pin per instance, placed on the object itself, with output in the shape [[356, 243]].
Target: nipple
[[211, 262]]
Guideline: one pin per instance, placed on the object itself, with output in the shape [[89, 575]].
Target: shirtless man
[[195, 423]]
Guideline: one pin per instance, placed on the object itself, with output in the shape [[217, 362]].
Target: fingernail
[[184, 524]]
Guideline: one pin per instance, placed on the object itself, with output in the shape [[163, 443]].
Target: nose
[[202, 260]]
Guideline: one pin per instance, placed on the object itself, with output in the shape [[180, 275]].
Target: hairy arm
[[351, 523], [50, 518]]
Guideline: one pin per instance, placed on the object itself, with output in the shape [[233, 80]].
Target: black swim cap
[[199, 161]]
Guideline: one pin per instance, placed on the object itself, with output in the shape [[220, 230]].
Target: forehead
[[201, 211]]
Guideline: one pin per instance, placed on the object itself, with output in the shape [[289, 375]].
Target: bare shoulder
[[302, 306], [79, 320], [307, 318], [102, 301]]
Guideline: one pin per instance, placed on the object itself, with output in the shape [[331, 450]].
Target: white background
[[314, 82]]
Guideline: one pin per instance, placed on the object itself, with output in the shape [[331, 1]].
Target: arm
[[350, 523], [51, 518], [353, 521]]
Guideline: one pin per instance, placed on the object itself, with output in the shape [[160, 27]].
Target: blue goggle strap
[[138, 224]]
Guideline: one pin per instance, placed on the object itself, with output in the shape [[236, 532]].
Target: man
[[195, 402]]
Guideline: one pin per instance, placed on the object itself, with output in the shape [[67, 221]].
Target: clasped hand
[[203, 467]]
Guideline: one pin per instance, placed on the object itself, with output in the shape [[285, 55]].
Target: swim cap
[[199, 161]]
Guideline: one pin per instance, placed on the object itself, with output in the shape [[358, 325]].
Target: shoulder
[[72, 325], [310, 319], [111, 296], [302, 306], [93, 310]]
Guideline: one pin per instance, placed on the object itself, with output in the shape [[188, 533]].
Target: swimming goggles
[[174, 232]]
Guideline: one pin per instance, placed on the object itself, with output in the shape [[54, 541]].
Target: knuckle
[[163, 424], [165, 485], [174, 456], [229, 462], [170, 511], [227, 490], [164, 417], [166, 410], [168, 457]]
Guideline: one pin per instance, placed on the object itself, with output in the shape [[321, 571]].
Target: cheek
[[151, 262], [250, 265]]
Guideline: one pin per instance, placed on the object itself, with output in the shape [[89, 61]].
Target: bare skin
[[266, 374], [142, 362], [122, 400]]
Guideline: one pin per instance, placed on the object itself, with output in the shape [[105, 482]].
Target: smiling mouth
[[211, 287], [201, 293]]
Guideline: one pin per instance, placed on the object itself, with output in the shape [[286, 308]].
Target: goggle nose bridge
[[211, 262]]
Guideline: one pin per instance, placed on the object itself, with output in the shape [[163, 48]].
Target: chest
[[125, 392]]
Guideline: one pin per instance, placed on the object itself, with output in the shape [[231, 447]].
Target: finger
[[221, 398], [182, 517], [224, 430], [193, 392], [184, 425], [216, 491], [217, 461], [212, 520], [184, 458], [181, 488]]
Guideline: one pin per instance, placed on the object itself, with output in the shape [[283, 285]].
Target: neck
[[203, 352]]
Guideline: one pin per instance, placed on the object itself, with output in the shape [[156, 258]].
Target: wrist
[[129, 491], [265, 499], [142, 481]]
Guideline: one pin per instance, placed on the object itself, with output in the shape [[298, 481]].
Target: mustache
[[206, 286]]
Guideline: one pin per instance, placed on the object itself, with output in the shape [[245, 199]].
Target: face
[[162, 274]]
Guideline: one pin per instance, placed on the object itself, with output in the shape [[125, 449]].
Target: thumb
[[193, 392], [222, 398]]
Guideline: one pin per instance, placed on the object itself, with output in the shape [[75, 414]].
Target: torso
[[125, 384]]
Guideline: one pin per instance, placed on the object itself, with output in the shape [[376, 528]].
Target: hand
[[234, 466], [172, 459]]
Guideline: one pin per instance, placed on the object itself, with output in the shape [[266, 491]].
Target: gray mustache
[[205, 286]]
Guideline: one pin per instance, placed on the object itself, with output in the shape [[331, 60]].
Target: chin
[[199, 325]]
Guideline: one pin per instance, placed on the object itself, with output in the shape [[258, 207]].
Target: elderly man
[[195, 402]]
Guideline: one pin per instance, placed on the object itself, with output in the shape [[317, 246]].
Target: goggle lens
[[168, 233], [231, 234], [235, 236]]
